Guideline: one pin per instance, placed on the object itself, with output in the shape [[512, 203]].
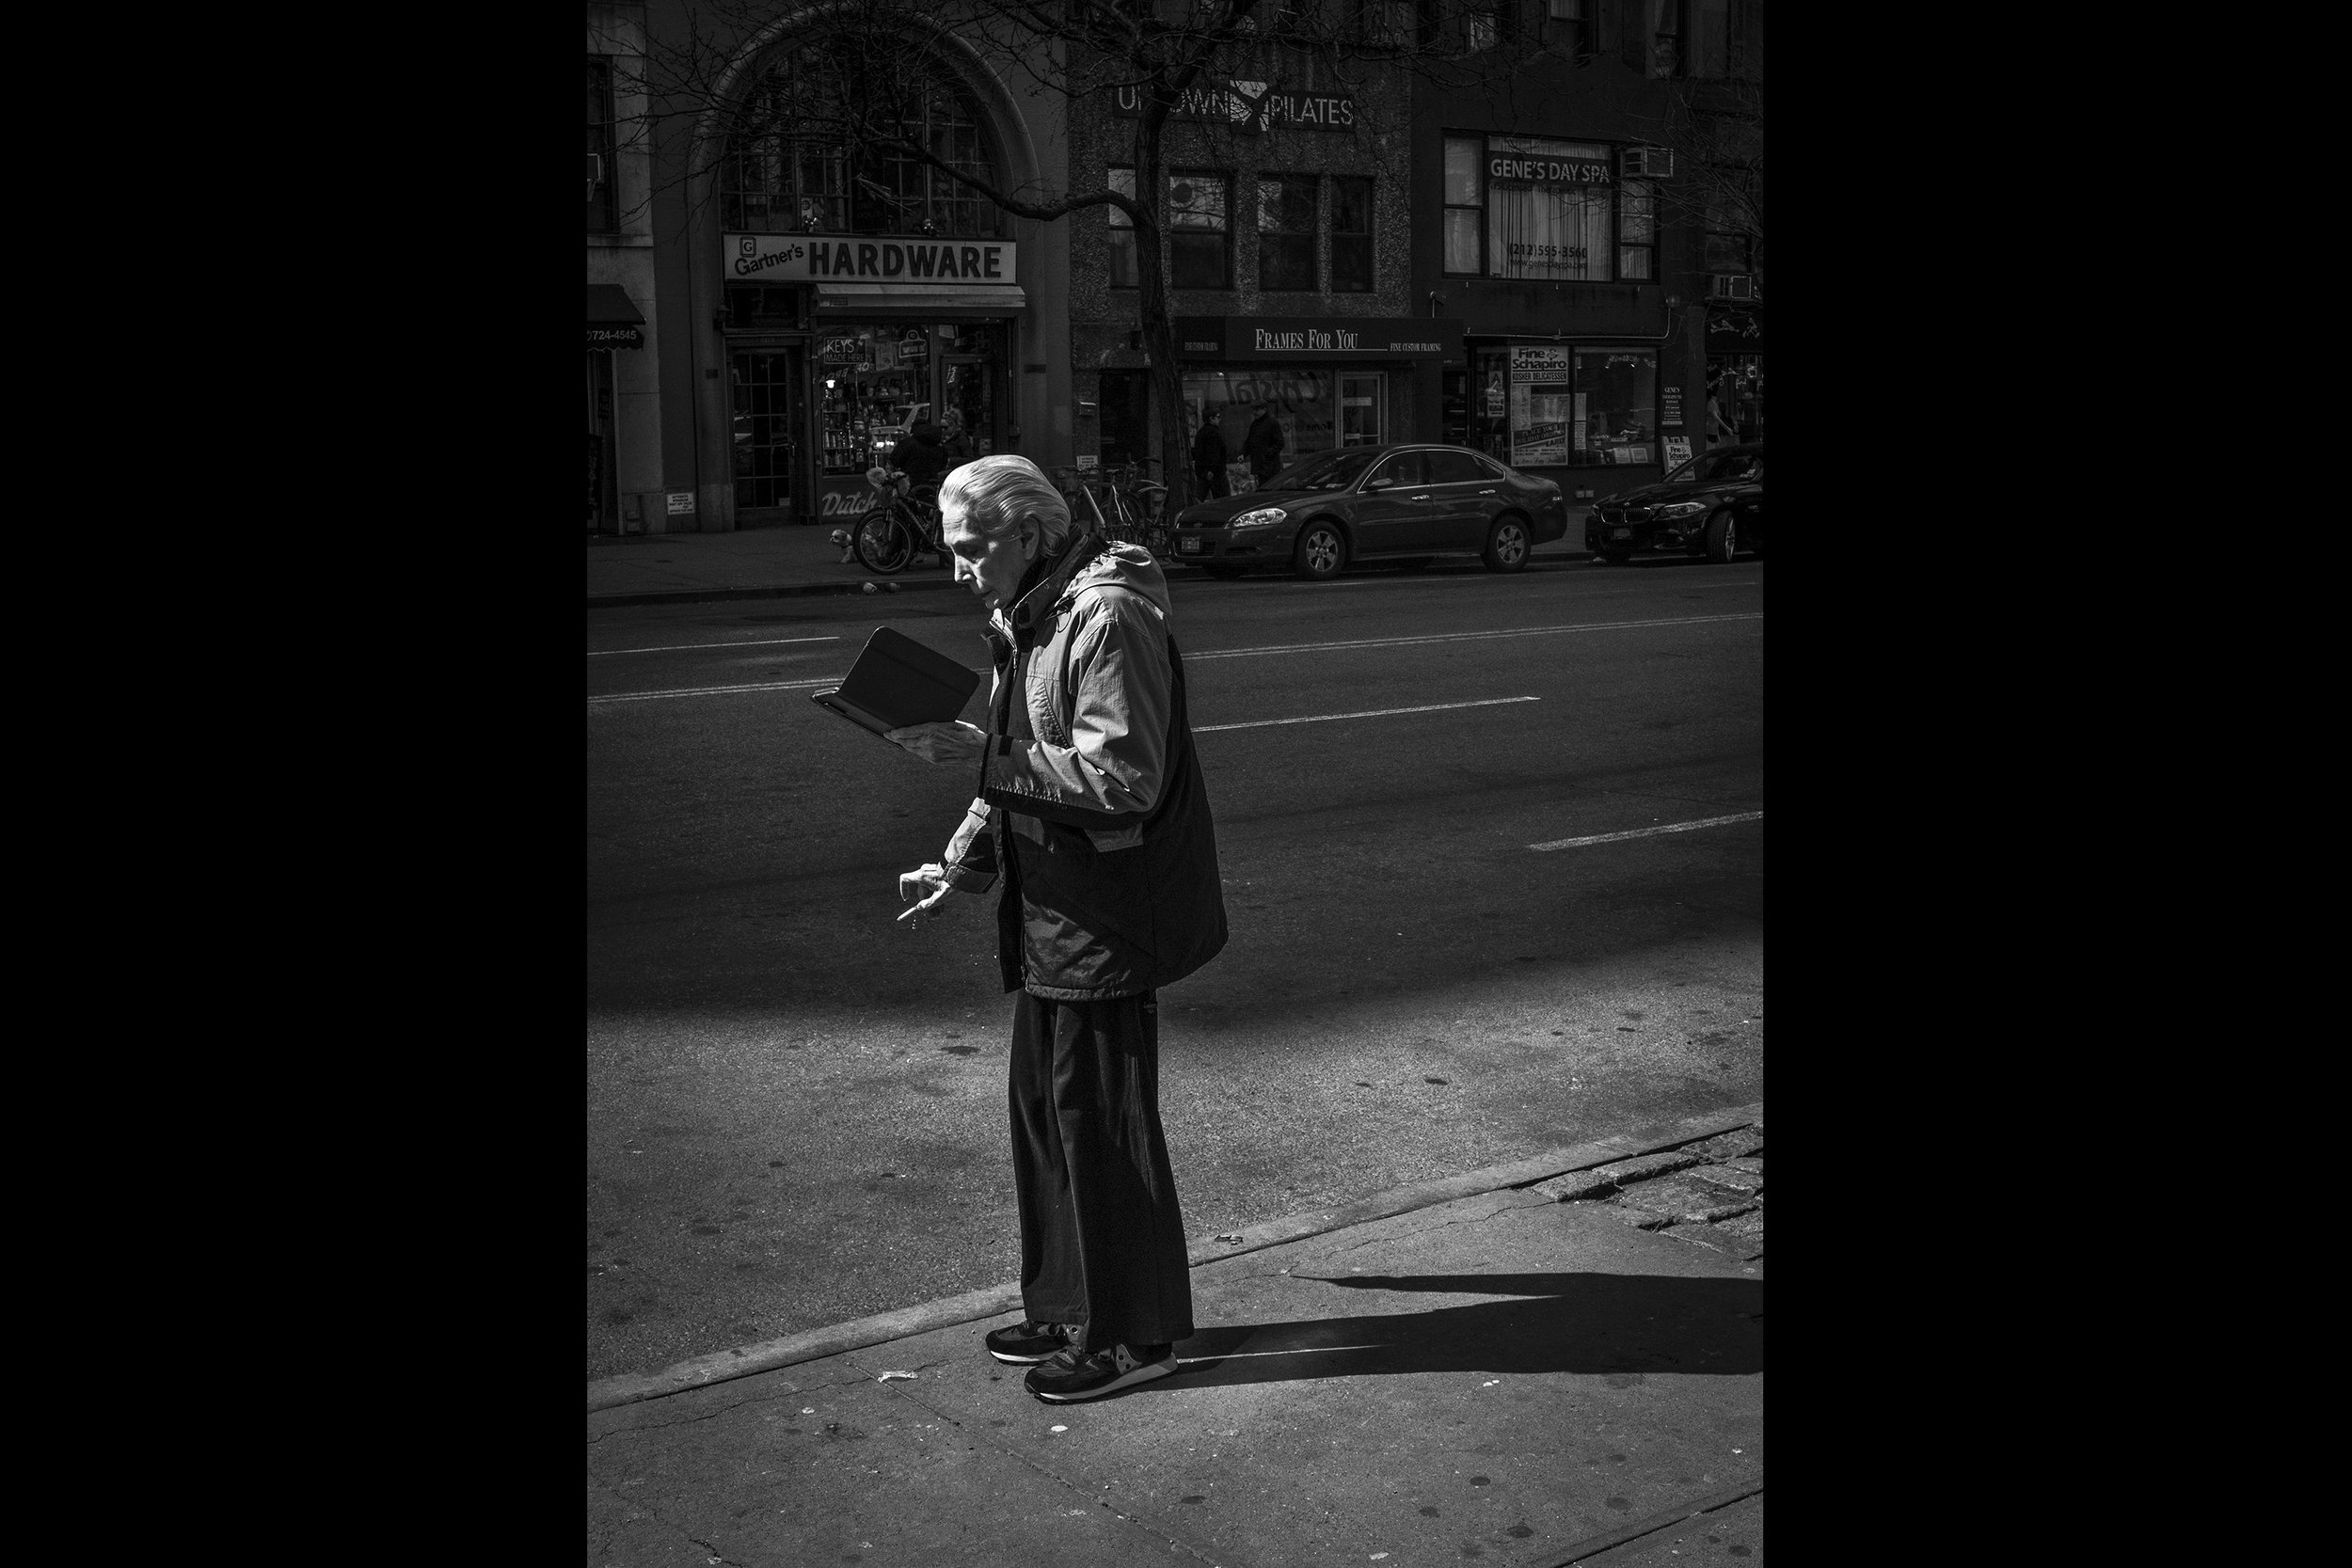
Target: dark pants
[[1102, 1242], [1211, 483]]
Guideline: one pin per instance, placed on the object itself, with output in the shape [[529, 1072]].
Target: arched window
[[794, 164]]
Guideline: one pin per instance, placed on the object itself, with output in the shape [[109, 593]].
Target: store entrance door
[[602, 517], [767, 386], [967, 386]]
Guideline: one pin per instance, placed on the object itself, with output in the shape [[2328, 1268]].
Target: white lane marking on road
[[1247, 1355], [1468, 636], [717, 690], [687, 647], [1368, 713], [1647, 832]]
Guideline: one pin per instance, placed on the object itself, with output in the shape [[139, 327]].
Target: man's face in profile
[[992, 566]]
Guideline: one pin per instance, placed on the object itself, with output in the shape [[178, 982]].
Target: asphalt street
[[796, 1104]]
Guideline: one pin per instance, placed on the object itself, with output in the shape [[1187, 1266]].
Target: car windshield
[[1328, 470], [1718, 466]]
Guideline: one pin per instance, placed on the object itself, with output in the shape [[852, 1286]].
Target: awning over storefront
[[916, 301], [609, 304], [1307, 338]]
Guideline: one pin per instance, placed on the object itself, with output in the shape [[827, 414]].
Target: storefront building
[[1288, 265], [1330, 381], [1557, 232], [837, 294], [623, 383]]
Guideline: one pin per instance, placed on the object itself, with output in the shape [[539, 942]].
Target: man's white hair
[[998, 492]]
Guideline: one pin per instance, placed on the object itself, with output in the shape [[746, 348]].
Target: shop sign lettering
[[617, 337], [1670, 406], [798, 257], [1549, 171], [847, 503], [1252, 107]]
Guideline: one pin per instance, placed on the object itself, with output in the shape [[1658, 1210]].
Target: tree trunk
[[1159, 338]]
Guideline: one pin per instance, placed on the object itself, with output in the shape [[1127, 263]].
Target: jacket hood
[[1128, 566]]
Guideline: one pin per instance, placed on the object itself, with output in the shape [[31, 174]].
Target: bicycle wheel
[[884, 543]]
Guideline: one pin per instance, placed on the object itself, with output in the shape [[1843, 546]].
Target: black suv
[[1712, 505]]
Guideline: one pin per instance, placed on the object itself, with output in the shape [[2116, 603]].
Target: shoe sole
[[1144, 1373], [1010, 1360]]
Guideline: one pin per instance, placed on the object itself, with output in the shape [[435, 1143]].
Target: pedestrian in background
[[1208, 461], [1263, 446], [1092, 809], [924, 461]]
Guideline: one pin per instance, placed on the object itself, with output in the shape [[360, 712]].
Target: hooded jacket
[[1091, 804]]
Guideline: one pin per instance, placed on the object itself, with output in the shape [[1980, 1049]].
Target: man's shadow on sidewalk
[[1610, 1324]]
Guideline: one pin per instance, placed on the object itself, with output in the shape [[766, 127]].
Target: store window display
[[1316, 411]]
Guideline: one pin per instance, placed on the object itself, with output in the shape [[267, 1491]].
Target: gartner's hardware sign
[[867, 259]]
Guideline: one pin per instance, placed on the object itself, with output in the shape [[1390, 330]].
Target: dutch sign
[[869, 259]]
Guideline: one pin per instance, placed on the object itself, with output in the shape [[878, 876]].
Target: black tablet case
[[897, 682]]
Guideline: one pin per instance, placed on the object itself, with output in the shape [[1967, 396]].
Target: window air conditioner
[[1731, 286], [1648, 163]]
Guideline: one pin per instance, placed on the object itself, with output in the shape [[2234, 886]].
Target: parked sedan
[[1712, 505], [1404, 502]]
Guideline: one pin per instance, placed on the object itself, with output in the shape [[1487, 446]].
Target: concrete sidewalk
[[1563, 1371], [767, 562]]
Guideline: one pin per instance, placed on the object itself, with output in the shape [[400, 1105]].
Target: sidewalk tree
[[863, 70]]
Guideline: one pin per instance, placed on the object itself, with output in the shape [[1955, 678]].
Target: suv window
[[1405, 467], [1455, 467]]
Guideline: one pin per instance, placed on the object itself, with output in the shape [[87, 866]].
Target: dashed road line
[[1650, 832], [1468, 635], [1368, 713], [690, 647]]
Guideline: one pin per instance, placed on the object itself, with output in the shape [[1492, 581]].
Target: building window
[[1710, 38], [1351, 236], [1563, 22], [1547, 209], [603, 209], [1122, 231], [1637, 231], [1464, 217], [1200, 242], [1286, 231], [1567, 407], [1663, 36], [778, 176]]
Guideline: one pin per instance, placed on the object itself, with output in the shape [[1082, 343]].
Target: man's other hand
[[951, 742]]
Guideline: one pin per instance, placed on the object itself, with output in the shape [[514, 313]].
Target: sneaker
[[1024, 1344], [1075, 1374]]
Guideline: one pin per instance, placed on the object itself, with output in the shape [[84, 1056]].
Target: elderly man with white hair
[[1092, 809]]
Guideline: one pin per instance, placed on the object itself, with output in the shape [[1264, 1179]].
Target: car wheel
[[1723, 538], [1506, 544], [1321, 553], [1413, 563]]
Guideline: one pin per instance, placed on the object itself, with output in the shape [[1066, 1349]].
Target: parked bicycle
[[1121, 504], [897, 528]]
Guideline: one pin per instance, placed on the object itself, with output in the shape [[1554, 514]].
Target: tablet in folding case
[[897, 682]]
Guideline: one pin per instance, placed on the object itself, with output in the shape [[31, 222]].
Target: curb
[[794, 589], [972, 1306]]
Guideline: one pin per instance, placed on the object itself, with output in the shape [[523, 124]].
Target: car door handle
[[1486, 492], [1422, 497]]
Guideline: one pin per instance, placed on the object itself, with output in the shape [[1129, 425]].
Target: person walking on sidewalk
[[1263, 446], [1092, 811], [1208, 461]]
